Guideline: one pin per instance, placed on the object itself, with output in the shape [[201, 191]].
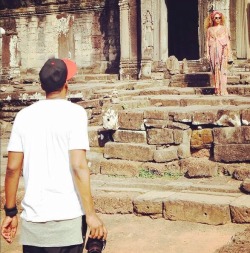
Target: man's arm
[[13, 171], [82, 181]]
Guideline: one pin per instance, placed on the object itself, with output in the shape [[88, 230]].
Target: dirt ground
[[132, 234]]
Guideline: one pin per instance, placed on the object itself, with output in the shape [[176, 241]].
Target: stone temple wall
[[85, 32]]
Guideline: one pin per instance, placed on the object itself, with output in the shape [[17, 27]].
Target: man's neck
[[56, 95]]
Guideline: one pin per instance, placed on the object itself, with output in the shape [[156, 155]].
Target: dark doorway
[[183, 29]]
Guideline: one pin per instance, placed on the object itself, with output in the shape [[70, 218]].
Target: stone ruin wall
[[86, 33]]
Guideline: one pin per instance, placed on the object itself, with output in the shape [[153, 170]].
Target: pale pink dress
[[218, 45]]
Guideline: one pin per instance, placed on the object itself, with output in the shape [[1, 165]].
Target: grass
[[147, 173]]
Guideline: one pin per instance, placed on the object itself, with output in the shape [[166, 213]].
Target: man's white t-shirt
[[45, 132]]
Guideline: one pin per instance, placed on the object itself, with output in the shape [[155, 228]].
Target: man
[[48, 144]]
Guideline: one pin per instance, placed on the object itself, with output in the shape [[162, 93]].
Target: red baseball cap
[[55, 72]]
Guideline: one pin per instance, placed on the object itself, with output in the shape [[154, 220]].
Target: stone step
[[213, 201], [141, 197], [95, 77]]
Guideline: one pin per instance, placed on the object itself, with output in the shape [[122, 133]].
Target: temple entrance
[[183, 40]]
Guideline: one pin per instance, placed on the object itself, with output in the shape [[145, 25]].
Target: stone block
[[156, 123], [201, 153], [131, 120], [240, 209], [114, 202], [163, 168], [200, 101], [202, 208], [202, 138], [98, 136], [232, 153], [228, 118], [182, 116], [184, 150], [204, 117], [228, 135], [246, 134], [245, 186], [128, 136], [242, 173], [164, 101], [245, 117], [166, 155], [133, 152], [177, 126], [160, 136], [94, 162], [182, 136], [94, 103], [196, 167], [233, 79], [156, 113], [120, 167], [150, 203]]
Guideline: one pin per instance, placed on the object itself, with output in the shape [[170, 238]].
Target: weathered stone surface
[[201, 138], [94, 103], [228, 118], [160, 136], [178, 125], [94, 161], [196, 167], [240, 209], [230, 169], [127, 136], [165, 101], [231, 135], [233, 79], [242, 173], [204, 101], [232, 153], [246, 134], [184, 150], [131, 120], [156, 113], [205, 117], [184, 117], [98, 136], [114, 202], [166, 155], [245, 117], [201, 153], [202, 208], [227, 135], [163, 168], [120, 167], [150, 203], [156, 123], [245, 186], [133, 152], [182, 136]]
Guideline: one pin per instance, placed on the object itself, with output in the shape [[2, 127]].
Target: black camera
[[95, 245]]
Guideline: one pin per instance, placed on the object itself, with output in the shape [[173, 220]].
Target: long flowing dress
[[218, 45]]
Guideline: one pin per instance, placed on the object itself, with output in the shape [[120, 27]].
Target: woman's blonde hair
[[209, 20]]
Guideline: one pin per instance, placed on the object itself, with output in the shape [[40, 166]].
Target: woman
[[218, 50]]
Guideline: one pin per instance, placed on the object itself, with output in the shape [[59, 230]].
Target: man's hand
[[9, 228], [96, 226]]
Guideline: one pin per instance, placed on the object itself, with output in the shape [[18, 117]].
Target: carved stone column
[[128, 40], [147, 41], [163, 31]]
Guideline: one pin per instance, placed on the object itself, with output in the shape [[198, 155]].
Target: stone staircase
[[180, 152]]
